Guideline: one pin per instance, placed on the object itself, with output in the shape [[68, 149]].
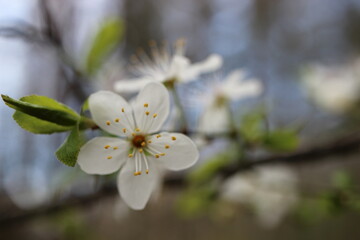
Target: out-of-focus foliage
[[105, 42], [203, 184], [342, 197], [281, 140], [254, 132]]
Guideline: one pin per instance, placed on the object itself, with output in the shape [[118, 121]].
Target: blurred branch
[[341, 146], [50, 36]]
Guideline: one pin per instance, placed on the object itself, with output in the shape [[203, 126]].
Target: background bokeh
[[271, 40]]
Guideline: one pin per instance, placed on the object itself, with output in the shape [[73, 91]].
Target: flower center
[[139, 141]]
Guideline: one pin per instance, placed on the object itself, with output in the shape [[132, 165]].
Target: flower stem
[[183, 122]]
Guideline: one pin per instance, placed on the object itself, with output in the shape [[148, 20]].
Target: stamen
[[158, 136], [147, 113], [143, 144], [109, 157], [108, 123], [124, 130], [162, 154], [155, 115], [167, 146], [107, 146], [137, 129], [173, 138], [117, 120], [157, 155], [133, 134], [146, 105], [146, 165], [149, 141], [123, 109], [115, 148], [141, 150], [130, 155]]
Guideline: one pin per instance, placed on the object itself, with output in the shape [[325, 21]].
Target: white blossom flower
[[165, 67], [216, 117], [336, 89], [140, 153], [271, 191]]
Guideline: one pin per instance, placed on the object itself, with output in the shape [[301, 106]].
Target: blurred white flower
[[166, 67], [336, 89], [140, 149], [216, 115], [271, 191]]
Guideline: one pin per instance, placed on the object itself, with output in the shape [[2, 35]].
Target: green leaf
[[68, 152], [204, 173], [252, 127], [40, 114], [104, 43], [282, 140], [342, 180]]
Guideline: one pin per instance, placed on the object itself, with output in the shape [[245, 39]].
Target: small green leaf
[[204, 173], [40, 114], [104, 43], [282, 140], [68, 152], [252, 127]]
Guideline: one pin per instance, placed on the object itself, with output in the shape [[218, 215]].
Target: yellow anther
[[139, 173], [147, 171], [130, 155], [133, 134], [137, 129], [115, 148], [109, 157], [155, 115], [141, 150], [147, 113], [143, 144], [146, 104], [162, 154], [124, 130], [135, 173], [167, 146], [173, 138], [107, 146], [157, 155], [149, 141], [123, 109], [157, 136], [108, 123], [117, 120]]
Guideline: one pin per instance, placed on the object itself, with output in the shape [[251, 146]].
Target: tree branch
[[346, 145]]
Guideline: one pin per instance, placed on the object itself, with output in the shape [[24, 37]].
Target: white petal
[[234, 77], [211, 64], [249, 88], [214, 119], [130, 85], [106, 109], [154, 99], [180, 152], [136, 190], [178, 66], [94, 158]]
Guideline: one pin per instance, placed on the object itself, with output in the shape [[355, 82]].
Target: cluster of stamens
[[141, 146]]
